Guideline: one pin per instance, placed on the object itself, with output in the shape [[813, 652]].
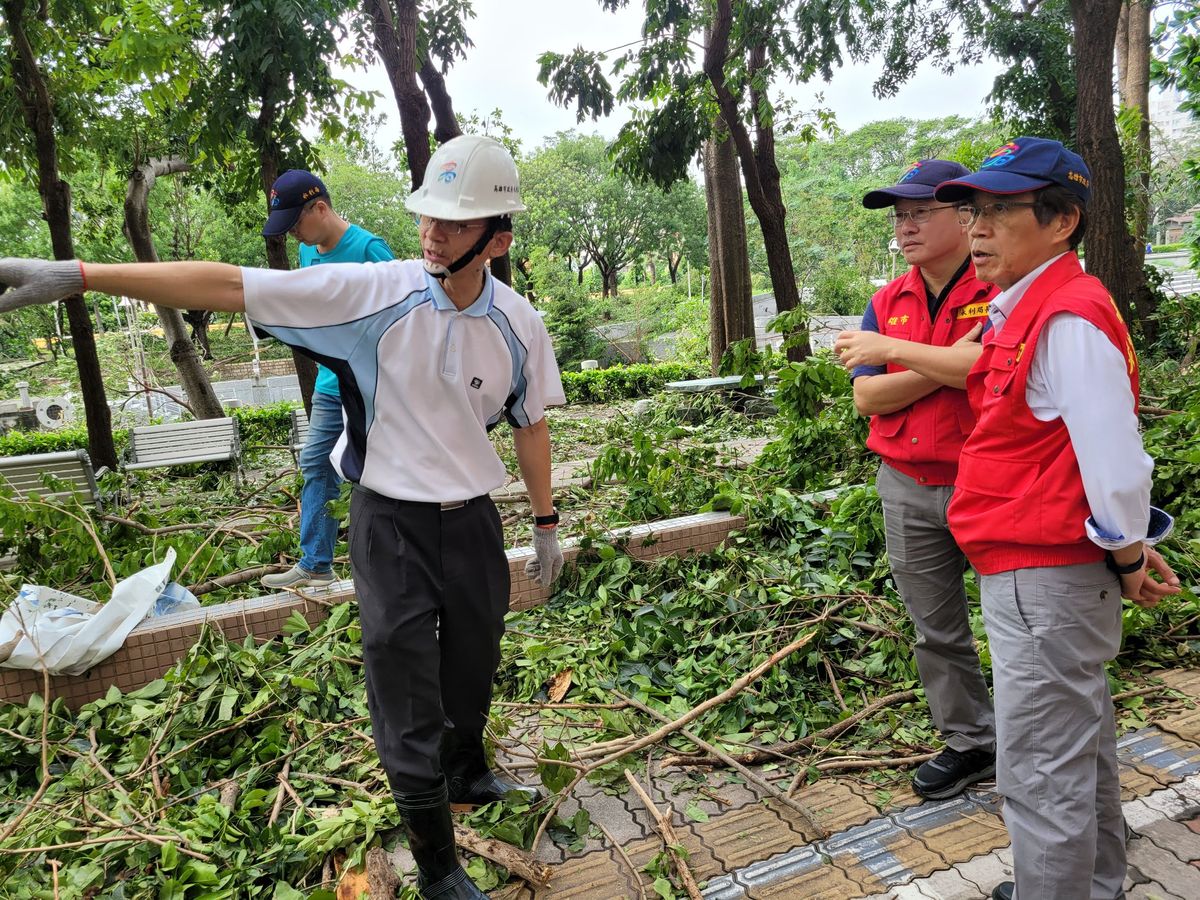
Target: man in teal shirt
[[300, 206]]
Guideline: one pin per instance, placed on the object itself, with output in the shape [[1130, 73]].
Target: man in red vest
[[909, 363], [1052, 507]]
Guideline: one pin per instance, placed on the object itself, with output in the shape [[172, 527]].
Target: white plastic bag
[[46, 629]]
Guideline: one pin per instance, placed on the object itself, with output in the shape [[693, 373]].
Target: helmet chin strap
[[437, 270]]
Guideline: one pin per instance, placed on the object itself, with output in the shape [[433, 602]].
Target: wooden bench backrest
[[24, 473], [180, 443]]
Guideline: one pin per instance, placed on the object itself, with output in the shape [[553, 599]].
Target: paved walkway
[[881, 844]]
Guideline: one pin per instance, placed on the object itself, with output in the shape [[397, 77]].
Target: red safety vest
[[923, 440], [1019, 500]]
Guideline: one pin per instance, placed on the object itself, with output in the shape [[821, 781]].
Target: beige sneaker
[[296, 577]]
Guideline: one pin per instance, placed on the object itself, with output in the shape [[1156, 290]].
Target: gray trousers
[[928, 569], [1051, 631]]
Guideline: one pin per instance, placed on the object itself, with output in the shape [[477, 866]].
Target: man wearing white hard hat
[[429, 356]]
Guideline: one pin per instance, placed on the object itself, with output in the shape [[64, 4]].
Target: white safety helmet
[[468, 177]]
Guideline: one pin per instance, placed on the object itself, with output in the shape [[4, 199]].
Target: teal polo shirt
[[356, 246]]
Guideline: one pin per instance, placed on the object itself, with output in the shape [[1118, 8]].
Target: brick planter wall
[[268, 367], [157, 644]]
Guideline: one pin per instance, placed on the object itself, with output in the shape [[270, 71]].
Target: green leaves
[[555, 777]]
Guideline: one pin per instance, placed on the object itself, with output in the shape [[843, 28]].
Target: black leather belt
[[443, 506]]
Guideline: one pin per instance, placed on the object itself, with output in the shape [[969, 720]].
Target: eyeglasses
[[304, 210], [999, 211], [918, 216], [452, 229]]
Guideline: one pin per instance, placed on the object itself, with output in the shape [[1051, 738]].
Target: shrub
[[623, 382], [19, 443], [261, 425]]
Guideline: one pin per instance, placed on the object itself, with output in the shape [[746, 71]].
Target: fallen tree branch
[[732, 691], [669, 838], [16, 820], [608, 748], [1140, 692], [850, 765], [517, 861], [633, 870], [757, 757], [813, 831], [215, 584]]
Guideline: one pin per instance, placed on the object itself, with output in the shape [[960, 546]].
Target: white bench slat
[[182, 443], [23, 474], [299, 428]]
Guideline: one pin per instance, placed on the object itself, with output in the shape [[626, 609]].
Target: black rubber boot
[[470, 781], [426, 819]]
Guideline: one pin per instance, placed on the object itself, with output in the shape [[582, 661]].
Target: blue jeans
[[318, 529]]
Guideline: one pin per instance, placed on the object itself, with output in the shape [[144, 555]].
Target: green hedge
[[19, 443], [623, 382], [264, 425]]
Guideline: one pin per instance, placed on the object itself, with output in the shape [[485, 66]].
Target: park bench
[[1182, 282], [23, 474], [299, 431], [182, 443], [700, 385]]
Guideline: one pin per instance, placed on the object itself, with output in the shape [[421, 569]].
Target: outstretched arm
[[181, 285]]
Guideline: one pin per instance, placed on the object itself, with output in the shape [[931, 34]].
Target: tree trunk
[[501, 267], [1113, 255], [201, 397], [444, 120], [758, 167], [1133, 66], [306, 369], [612, 279], [731, 308], [1134, 81], [38, 112], [673, 261], [717, 341], [396, 43]]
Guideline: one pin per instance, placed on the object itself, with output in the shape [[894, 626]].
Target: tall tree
[[731, 305], [748, 47], [920, 30], [1133, 87], [273, 71], [580, 206], [1113, 254], [202, 399], [30, 34], [416, 41]]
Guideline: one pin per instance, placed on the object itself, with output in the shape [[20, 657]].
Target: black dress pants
[[433, 588]]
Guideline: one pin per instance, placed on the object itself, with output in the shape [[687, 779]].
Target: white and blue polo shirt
[[421, 382]]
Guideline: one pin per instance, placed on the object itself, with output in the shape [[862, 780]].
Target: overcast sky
[[501, 72]]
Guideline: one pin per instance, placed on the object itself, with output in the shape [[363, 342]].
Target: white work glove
[[31, 281], [548, 558]]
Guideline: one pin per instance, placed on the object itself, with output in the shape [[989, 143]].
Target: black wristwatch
[[1127, 569], [546, 521]]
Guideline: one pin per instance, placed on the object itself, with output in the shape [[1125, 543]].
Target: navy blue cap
[[1023, 164], [917, 183], [289, 193]]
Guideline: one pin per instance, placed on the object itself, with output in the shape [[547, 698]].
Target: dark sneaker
[[948, 773], [1004, 891]]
